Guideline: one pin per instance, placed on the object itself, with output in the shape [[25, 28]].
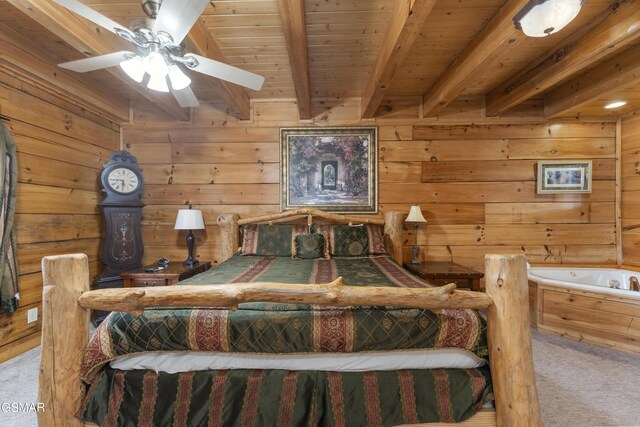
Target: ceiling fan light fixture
[[156, 65], [134, 67], [177, 78], [158, 82], [159, 50], [541, 18]]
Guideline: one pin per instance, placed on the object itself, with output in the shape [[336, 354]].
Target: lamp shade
[[189, 219], [177, 78], [134, 67], [415, 215], [158, 82], [157, 65], [542, 18]]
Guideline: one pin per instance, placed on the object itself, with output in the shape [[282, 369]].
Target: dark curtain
[[8, 185]]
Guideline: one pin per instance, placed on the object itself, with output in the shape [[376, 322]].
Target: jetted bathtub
[[612, 281], [595, 305]]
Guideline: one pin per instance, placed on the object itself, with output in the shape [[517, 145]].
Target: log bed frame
[[67, 301]]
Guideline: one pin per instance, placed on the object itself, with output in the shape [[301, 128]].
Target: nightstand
[[442, 272], [171, 275]]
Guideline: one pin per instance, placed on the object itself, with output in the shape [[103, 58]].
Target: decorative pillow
[[270, 240], [353, 240], [310, 246]]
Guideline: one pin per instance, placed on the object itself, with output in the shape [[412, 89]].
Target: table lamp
[[189, 219], [415, 217]]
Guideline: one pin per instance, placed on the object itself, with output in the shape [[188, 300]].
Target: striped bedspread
[[329, 398]]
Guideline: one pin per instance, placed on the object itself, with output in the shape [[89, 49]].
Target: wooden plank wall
[[631, 191], [475, 183], [61, 149]]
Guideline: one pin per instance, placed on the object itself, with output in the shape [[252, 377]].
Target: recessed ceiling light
[[615, 104]]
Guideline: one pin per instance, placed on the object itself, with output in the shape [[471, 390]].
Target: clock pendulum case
[[122, 248]]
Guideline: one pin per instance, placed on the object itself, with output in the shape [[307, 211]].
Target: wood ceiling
[[432, 50]]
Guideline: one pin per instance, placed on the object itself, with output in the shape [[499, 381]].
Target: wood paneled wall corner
[[619, 252], [60, 154], [630, 180], [475, 183]]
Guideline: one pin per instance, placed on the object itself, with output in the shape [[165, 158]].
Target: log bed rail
[[67, 301]]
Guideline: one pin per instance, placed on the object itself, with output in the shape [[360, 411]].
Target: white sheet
[[174, 362]]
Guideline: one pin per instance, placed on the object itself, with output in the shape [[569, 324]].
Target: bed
[[312, 328]]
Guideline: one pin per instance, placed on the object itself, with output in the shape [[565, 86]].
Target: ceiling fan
[[158, 50]]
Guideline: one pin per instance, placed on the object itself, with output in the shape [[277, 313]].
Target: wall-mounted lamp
[[541, 18], [415, 217], [189, 219]]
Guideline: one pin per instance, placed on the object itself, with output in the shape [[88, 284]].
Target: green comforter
[[289, 328], [286, 398]]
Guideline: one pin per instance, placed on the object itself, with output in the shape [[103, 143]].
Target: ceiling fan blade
[[176, 17], [185, 97], [97, 62], [226, 72], [85, 11]]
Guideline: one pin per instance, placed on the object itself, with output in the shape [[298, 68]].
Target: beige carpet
[[584, 385], [19, 384], [578, 384]]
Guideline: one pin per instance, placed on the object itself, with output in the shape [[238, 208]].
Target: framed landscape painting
[[562, 176], [332, 168]]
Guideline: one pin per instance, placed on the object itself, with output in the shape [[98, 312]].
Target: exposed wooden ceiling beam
[[200, 42], [611, 30], [498, 36], [22, 56], [614, 75], [406, 21], [92, 40], [295, 32]]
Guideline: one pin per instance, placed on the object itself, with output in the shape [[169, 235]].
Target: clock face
[[123, 180]]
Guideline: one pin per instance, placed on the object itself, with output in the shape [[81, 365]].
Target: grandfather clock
[[122, 248]]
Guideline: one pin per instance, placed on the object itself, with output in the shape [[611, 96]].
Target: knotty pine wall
[[475, 183], [631, 191], [61, 149]]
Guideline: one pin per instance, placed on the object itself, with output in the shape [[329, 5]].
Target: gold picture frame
[[564, 176], [331, 168]]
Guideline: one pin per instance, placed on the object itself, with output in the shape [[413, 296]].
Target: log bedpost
[[229, 234], [65, 332], [509, 337], [393, 222]]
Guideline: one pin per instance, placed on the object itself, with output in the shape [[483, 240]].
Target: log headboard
[[230, 227]]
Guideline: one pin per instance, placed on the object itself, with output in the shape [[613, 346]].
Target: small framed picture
[[562, 176]]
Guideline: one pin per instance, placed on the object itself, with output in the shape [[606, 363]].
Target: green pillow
[[352, 240], [310, 246], [270, 240]]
